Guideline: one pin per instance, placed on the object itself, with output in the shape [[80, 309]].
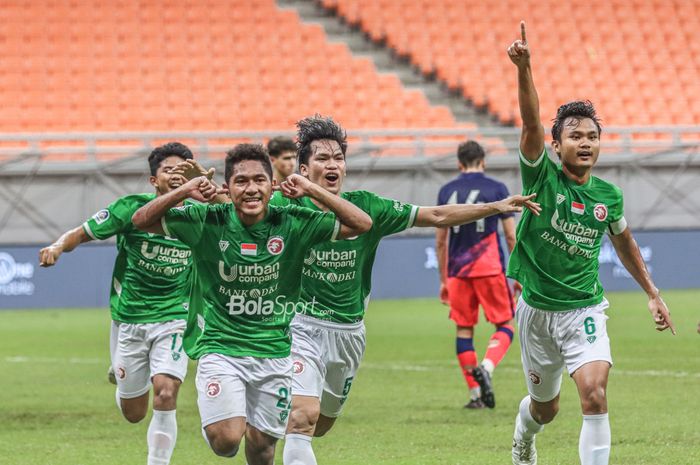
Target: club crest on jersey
[[275, 245], [577, 207], [223, 245], [600, 212], [101, 216], [560, 198], [249, 249]]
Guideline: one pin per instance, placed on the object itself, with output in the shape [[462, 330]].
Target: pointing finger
[[522, 32]]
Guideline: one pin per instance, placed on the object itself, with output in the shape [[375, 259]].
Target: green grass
[[56, 407]]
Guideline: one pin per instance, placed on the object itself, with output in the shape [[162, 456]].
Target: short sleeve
[[390, 216], [502, 193], [111, 220], [313, 227], [617, 224], [533, 173], [185, 223]]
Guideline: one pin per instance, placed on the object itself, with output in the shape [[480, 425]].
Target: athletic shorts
[[491, 292], [326, 358], [550, 341], [147, 349], [258, 389]]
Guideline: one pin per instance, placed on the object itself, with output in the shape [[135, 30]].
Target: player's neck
[[249, 220], [472, 170], [578, 176], [277, 176]]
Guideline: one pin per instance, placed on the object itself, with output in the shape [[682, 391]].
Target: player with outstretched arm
[[561, 313], [329, 333]]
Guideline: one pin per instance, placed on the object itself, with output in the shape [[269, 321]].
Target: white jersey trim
[[336, 230], [88, 231], [164, 225], [532, 164], [617, 227], [412, 218]]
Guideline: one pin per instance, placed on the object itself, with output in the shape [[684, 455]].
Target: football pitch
[[405, 407]]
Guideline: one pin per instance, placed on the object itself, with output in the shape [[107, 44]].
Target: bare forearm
[[454, 215], [151, 213], [630, 256], [441, 251], [509, 232], [527, 98], [347, 213], [71, 239]]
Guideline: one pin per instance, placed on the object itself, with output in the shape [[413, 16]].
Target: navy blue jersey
[[474, 249]]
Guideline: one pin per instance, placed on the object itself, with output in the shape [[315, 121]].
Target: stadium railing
[[71, 153]]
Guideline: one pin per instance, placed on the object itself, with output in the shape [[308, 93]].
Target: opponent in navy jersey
[[472, 272]]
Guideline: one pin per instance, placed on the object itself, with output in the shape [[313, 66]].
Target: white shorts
[[145, 350], [326, 358], [551, 340], [258, 389]]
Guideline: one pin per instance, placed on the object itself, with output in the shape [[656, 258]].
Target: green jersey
[[151, 277], [337, 276], [246, 278], [556, 254]]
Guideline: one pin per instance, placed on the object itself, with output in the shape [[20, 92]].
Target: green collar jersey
[[247, 278], [556, 254], [337, 276], [151, 277]]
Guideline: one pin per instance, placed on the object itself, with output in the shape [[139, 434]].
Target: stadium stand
[[126, 65], [639, 64]]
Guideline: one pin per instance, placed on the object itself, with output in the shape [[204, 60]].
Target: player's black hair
[[171, 149], [318, 127], [280, 144], [470, 153], [579, 109], [243, 152]]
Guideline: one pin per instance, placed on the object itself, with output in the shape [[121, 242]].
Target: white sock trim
[[297, 436]]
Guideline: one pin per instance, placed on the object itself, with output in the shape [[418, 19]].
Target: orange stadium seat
[[174, 65], [603, 63]]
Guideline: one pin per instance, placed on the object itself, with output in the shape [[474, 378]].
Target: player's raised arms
[[532, 135]]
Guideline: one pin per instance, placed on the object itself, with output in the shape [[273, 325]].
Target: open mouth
[[332, 177], [584, 154]]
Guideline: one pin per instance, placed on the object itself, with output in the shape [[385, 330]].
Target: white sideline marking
[[58, 360], [440, 366]]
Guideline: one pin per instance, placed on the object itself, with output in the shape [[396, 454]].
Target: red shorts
[[492, 292]]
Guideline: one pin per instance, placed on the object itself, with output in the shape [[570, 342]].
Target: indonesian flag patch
[[249, 249], [577, 208]]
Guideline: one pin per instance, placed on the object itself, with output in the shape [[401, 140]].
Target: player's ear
[[556, 147], [153, 180], [304, 170]]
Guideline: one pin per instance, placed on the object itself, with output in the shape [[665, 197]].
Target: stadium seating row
[[638, 60], [89, 65]]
